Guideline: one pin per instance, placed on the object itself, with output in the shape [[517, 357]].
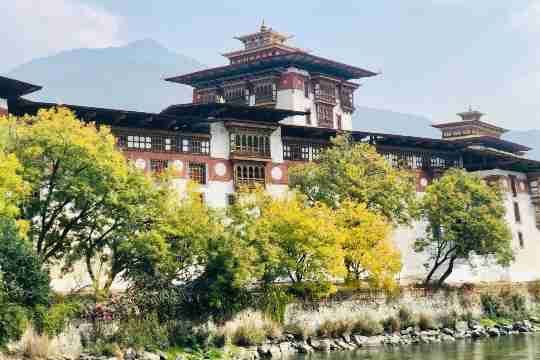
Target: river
[[516, 347]]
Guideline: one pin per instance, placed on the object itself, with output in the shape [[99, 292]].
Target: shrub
[[299, 331], [486, 322], [426, 322], [534, 290], [491, 305], [248, 334], [392, 324], [274, 301], [406, 318], [312, 291], [54, 320], [449, 320], [367, 326], [272, 329], [335, 328], [185, 334], [143, 333], [12, 322], [36, 346]]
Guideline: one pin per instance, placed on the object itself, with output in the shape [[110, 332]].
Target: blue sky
[[437, 57]]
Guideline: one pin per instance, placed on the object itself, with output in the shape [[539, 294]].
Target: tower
[[268, 72]]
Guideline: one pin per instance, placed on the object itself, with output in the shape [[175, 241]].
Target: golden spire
[[263, 26]]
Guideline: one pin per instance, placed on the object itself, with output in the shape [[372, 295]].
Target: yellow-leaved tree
[[369, 253]]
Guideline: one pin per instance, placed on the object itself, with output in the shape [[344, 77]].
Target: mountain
[[128, 77], [386, 121], [131, 77]]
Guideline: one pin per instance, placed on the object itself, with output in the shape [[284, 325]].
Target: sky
[[436, 57]]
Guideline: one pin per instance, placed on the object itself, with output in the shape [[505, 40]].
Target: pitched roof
[[11, 88], [299, 59]]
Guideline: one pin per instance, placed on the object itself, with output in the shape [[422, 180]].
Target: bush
[[54, 320], [406, 318], [23, 279], [274, 301], [367, 326], [272, 329], [12, 322], [312, 291], [426, 322], [491, 305], [299, 331], [335, 328], [506, 305], [534, 290], [143, 333], [486, 322], [449, 320], [248, 334], [392, 324]]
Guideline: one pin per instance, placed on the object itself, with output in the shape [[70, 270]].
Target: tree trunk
[[448, 271]]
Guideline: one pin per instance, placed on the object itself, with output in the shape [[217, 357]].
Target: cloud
[[35, 28]]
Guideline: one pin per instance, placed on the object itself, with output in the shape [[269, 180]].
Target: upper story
[[268, 72]]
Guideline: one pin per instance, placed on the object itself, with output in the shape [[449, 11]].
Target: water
[[517, 347]]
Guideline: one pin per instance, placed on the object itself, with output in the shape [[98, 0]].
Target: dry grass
[[36, 346]]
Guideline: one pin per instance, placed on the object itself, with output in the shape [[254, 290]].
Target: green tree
[[466, 218], [73, 170], [355, 171]]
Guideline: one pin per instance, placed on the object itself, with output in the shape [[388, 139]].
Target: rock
[[461, 326], [407, 331], [130, 354], [447, 331], [478, 333], [320, 345], [360, 340], [493, 332], [145, 355], [373, 341], [447, 338], [534, 319], [474, 324], [303, 347], [459, 335]]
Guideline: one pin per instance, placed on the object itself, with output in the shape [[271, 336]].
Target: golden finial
[[263, 26]]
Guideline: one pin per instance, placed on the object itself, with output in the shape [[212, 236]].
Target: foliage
[[466, 217], [406, 318], [507, 304], [295, 240], [13, 320], [367, 326], [53, 320], [335, 328], [312, 291], [426, 322], [248, 334], [355, 171], [369, 253], [24, 281], [144, 332], [486, 322], [12, 187], [534, 290], [448, 320], [298, 330], [392, 324], [273, 302]]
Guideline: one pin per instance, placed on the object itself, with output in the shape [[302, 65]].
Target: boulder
[[360, 340], [145, 355], [493, 332], [447, 331], [447, 338], [320, 344], [461, 326], [303, 347]]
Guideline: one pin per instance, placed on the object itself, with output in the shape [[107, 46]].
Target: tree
[[12, 187], [74, 170], [369, 253], [296, 240], [465, 217], [355, 171]]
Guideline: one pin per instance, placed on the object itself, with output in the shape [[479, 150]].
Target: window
[[513, 184], [517, 214], [139, 142], [250, 144], [231, 199], [265, 91], [306, 88], [197, 173], [325, 115], [158, 165], [200, 145], [521, 241], [339, 124], [249, 174]]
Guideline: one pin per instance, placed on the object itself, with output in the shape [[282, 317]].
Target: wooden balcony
[[248, 154]]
